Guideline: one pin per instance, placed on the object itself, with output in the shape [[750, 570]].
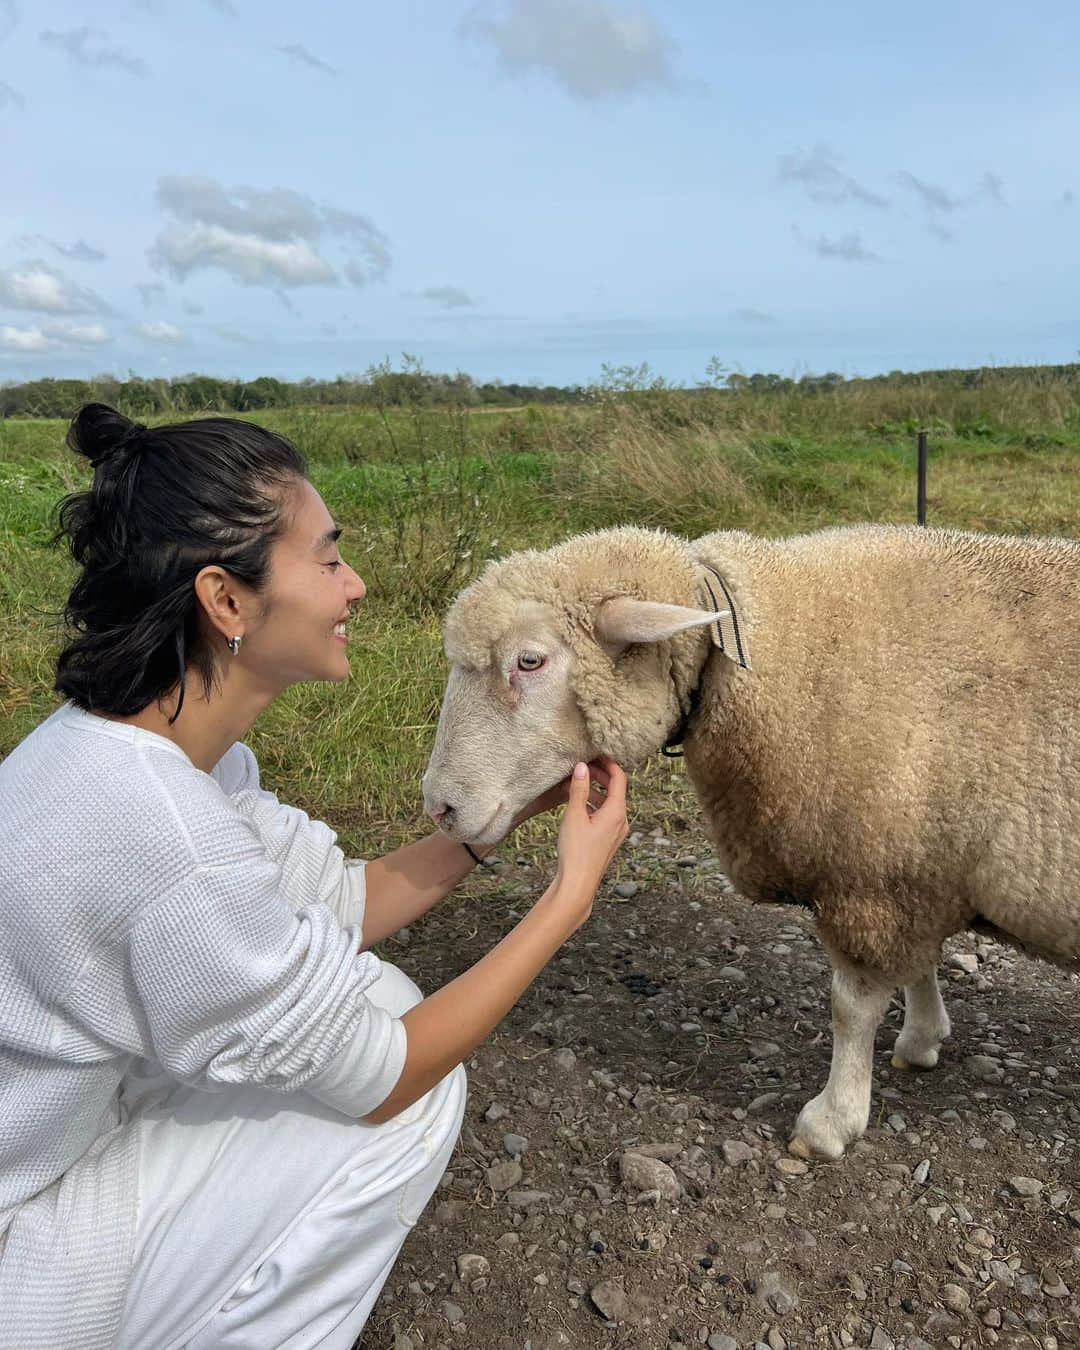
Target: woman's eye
[[530, 661], [334, 564]]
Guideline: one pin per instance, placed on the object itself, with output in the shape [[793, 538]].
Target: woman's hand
[[590, 836], [560, 793]]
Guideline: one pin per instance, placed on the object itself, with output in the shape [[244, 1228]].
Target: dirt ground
[[621, 1178]]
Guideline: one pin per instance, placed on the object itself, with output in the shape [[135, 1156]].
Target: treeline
[[413, 386], [186, 394]]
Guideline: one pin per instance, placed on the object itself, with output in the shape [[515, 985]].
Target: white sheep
[[898, 748]]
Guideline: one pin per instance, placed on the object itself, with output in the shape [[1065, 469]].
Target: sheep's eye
[[530, 661]]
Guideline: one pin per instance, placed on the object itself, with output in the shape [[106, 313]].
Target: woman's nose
[[357, 590]]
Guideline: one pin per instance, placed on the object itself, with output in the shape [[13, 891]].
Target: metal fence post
[[920, 504]]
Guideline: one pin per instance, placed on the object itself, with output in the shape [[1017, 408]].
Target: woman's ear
[[221, 599]]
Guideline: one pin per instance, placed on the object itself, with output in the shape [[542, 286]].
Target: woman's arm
[[451, 1023], [406, 883]]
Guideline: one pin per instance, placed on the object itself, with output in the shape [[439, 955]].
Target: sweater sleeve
[[306, 850], [236, 987]]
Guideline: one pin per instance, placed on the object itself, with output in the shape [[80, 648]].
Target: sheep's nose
[[443, 815]]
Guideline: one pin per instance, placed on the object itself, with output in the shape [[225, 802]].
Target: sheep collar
[[727, 637]]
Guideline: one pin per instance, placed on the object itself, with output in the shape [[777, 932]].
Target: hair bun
[[100, 432]]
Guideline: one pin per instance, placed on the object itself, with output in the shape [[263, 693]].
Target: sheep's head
[[556, 657]]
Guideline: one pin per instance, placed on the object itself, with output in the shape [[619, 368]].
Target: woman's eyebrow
[[330, 537]]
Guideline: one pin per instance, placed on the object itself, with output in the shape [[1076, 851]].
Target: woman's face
[[301, 635]]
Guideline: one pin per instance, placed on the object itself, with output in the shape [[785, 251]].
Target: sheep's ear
[[623, 620]]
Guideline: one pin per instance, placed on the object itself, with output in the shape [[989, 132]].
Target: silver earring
[[233, 645]]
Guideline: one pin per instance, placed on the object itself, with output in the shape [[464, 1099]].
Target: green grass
[[426, 495]]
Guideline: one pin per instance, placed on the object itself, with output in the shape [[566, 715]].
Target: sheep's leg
[[926, 1025], [837, 1116]]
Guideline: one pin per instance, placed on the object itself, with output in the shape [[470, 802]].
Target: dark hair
[[165, 502]]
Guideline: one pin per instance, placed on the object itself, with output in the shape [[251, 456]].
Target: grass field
[[426, 495]]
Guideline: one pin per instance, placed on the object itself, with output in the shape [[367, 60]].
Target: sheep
[[884, 728]]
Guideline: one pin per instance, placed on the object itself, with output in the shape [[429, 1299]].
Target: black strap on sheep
[[727, 638]]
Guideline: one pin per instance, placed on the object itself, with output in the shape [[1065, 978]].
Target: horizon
[[527, 190]]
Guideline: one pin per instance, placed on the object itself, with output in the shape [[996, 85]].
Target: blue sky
[[529, 189]]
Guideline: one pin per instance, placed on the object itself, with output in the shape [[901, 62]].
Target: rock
[[503, 1176], [538, 1097], [626, 890], [964, 961], [508, 1242], [791, 1167], [763, 1049], [921, 1172], [564, 1059], [403, 1342], [1053, 1286], [451, 1312], [736, 1152], [719, 1340], [515, 1144], [471, 1267], [609, 1299], [986, 1067], [857, 1285], [766, 1099], [957, 1300], [525, 1199], [1025, 1185], [733, 975], [881, 1340], [639, 1173], [774, 1292], [494, 1112]]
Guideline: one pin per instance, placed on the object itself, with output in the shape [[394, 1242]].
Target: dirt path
[[668, 1048]]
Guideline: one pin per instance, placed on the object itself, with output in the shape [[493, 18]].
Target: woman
[[220, 1113]]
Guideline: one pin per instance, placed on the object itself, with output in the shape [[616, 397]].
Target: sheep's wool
[[150, 911]]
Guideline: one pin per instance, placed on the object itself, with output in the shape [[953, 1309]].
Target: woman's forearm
[[406, 883], [449, 1024]]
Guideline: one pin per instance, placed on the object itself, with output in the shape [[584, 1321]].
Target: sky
[[530, 190]]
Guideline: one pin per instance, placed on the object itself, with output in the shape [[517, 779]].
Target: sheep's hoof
[[927, 1060], [820, 1133]]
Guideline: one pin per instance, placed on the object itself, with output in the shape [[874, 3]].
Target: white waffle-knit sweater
[[150, 911]]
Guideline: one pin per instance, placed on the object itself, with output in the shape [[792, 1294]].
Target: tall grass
[[426, 495]]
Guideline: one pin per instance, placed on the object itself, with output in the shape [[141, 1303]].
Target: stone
[[719, 1340], [515, 1144], [526, 1199], [403, 1342], [964, 961], [471, 1267], [626, 890], [1025, 1186], [791, 1167], [957, 1300], [649, 1174], [564, 1059], [881, 1340], [919, 1176], [503, 1176], [775, 1292], [494, 1112], [609, 1299], [736, 1152], [451, 1312], [732, 974]]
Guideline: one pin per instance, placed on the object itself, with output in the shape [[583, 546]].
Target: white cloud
[[756, 316], [300, 56], [594, 48], [160, 331], [261, 236], [82, 46], [938, 199], [79, 251], [35, 285], [10, 97], [250, 259], [448, 297], [9, 18], [820, 175], [51, 336], [848, 248]]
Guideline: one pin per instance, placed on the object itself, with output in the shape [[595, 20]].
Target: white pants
[[270, 1222]]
